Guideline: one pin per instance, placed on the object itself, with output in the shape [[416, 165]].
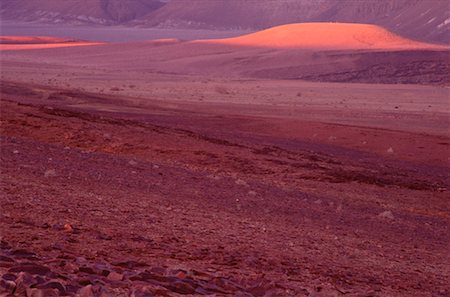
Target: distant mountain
[[104, 12], [427, 20]]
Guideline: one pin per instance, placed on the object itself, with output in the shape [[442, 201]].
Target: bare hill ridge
[[104, 12], [324, 35]]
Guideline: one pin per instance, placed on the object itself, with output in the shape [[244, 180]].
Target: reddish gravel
[[115, 204]]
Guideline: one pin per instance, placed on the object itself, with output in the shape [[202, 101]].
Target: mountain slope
[[106, 12]]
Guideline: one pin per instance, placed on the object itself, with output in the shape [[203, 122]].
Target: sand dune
[[38, 42], [326, 35]]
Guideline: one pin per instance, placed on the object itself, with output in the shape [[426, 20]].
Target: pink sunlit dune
[[326, 35]]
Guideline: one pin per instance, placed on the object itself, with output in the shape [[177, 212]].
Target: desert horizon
[[224, 148]]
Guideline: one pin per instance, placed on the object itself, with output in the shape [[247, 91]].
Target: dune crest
[[325, 35]]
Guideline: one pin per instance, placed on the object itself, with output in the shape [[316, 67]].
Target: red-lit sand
[[326, 35]]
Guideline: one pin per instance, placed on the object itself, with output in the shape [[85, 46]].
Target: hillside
[[104, 12]]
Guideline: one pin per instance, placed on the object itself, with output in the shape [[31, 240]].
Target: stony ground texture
[[162, 201]]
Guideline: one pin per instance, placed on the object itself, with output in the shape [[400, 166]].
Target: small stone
[[390, 150], [386, 214], [8, 285], [50, 173], [68, 228], [33, 292], [181, 274], [71, 267], [15, 151], [132, 163], [86, 291], [114, 276], [252, 193], [155, 167], [241, 182]]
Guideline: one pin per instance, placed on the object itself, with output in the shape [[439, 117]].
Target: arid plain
[[250, 166]]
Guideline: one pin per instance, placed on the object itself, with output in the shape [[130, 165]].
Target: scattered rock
[[87, 270], [68, 228], [114, 276], [181, 274], [86, 291], [7, 285], [241, 182], [386, 214], [50, 173]]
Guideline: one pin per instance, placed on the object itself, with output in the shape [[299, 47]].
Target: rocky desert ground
[[173, 168]]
